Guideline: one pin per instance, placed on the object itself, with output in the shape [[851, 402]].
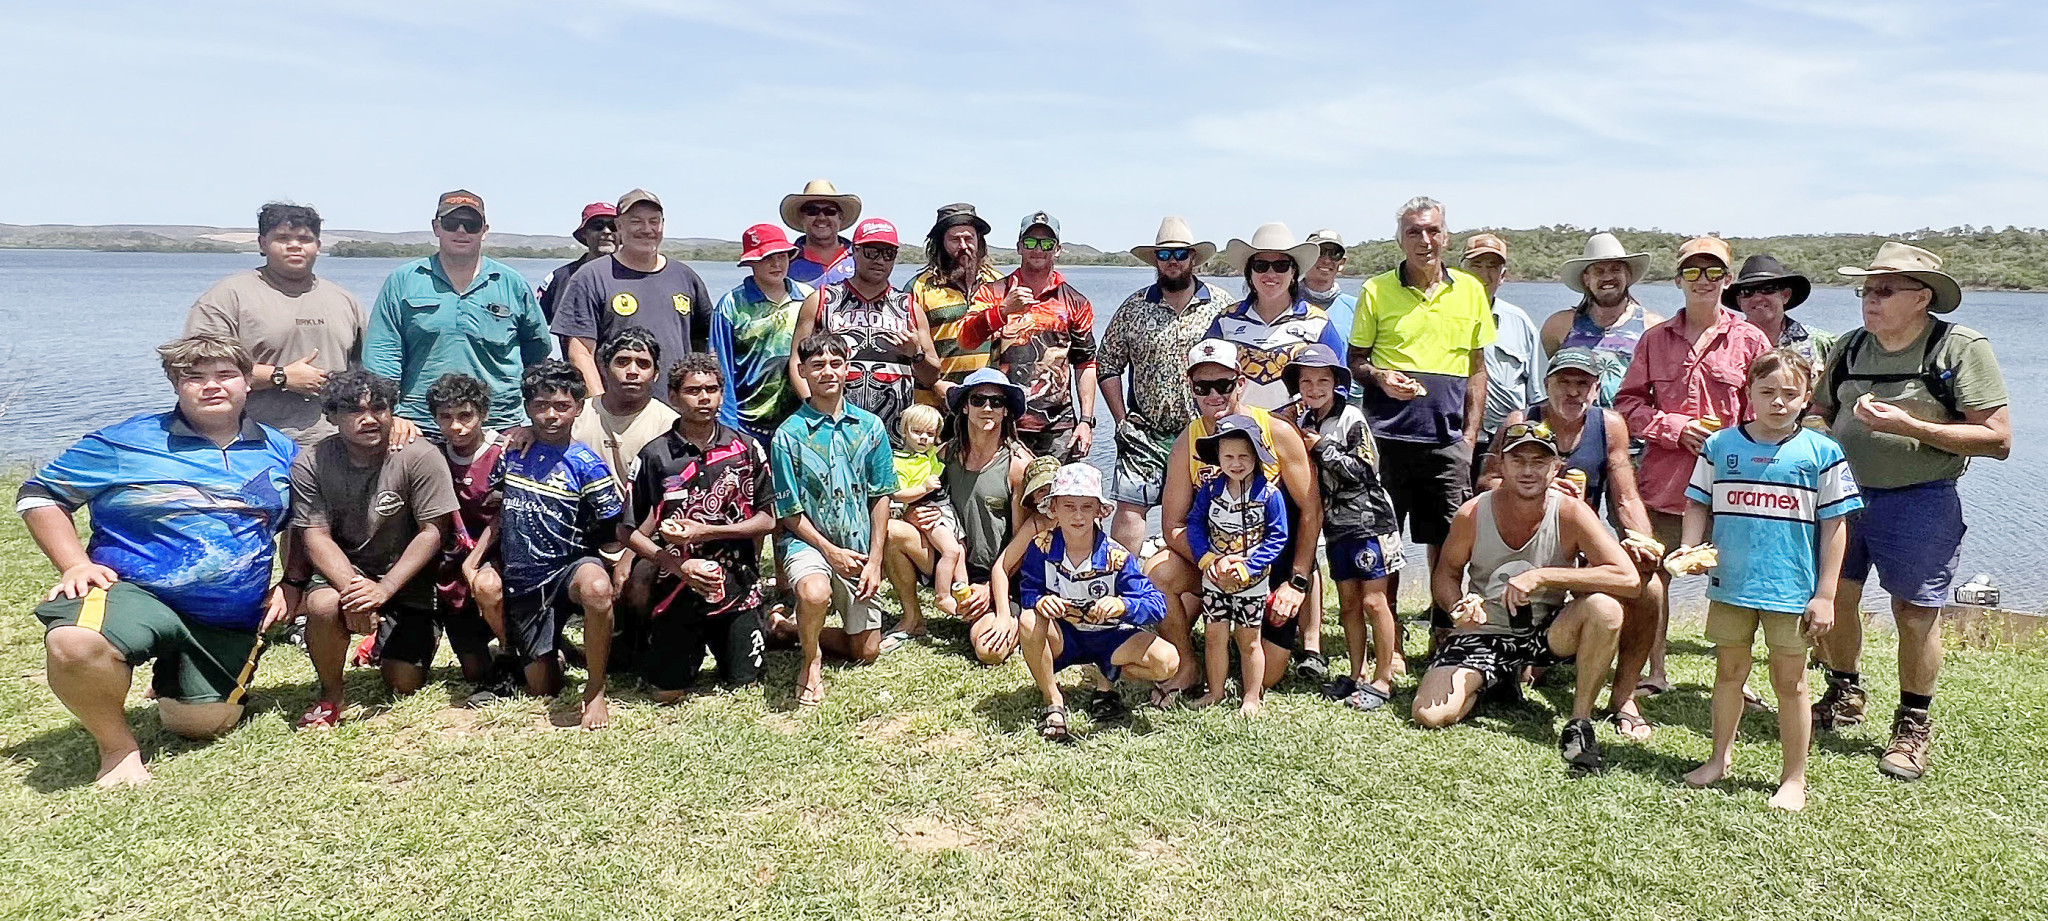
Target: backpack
[[1940, 382]]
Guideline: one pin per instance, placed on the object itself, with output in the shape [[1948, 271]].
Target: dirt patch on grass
[[927, 834], [885, 729]]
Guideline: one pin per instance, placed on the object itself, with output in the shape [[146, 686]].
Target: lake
[[81, 329]]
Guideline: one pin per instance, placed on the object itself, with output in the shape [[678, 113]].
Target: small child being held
[[920, 481], [1237, 526]]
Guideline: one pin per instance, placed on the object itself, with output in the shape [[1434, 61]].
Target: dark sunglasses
[[601, 225], [815, 210], [1261, 266], [1710, 273], [1884, 292], [1768, 288], [1333, 252], [986, 400], [1038, 243], [1176, 254], [1211, 388], [454, 224], [881, 253]]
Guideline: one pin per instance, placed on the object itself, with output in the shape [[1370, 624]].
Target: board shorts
[[1095, 646], [1246, 608], [1364, 558], [801, 560], [678, 639], [195, 663], [534, 620], [1141, 456], [1428, 483], [1498, 657], [948, 519], [1735, 625], [1913, 535]]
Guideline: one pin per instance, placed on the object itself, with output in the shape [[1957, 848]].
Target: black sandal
[[1105, 706], [1052, 724]]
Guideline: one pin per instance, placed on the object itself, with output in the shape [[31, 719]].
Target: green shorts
[[195, 663]]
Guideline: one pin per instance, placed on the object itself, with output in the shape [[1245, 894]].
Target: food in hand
[[1635, 538], [1686, 561]]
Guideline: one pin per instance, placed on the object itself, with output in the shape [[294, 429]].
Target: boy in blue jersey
[[560, 502], [1775, 494], [1237, 527]]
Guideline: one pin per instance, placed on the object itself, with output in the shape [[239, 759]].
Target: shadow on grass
[[1017, 711]]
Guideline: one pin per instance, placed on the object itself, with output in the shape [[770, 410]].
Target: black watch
[[1299, 581], [277, 378]]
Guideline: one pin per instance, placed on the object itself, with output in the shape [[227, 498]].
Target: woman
[[1274, 320], [984, 478]]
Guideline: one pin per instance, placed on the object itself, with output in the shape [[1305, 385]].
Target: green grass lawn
[[919, 790]]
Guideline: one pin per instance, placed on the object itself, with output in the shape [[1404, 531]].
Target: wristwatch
[[277, 378], [1299, 582]]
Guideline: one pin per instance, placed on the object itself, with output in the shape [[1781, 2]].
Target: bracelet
[[299, 584]]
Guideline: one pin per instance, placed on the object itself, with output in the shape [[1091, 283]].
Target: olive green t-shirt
[[1884, 461]]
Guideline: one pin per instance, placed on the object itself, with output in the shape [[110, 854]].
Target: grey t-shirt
[[374, 512], [604, 297], [279, 329]]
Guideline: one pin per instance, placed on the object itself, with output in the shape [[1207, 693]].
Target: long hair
[[1293, 284], [939, 263], [955, 447]]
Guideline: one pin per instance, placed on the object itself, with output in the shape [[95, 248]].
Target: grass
[[918, 790]]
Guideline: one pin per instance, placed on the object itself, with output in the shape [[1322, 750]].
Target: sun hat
[[1213, 352], [456, 201], [1895, 258], [592, 211], [955, 214], [1762, 270], [1271, 238], [1712, 246], [1013, 395], [1601, 247], [761, 241], [1080, 480], [1315, 355], [1482, 243], [1039, 474], [637, 196], [1536, 434], [1039, 219], [875, 230], [1576, 358], [819, 190], [1238, 424], [1174, 234]]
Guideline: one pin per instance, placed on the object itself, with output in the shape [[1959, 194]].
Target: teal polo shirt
[[421, 328]]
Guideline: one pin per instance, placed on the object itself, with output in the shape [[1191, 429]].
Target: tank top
[[1617, 344], [1201, 427], [1591, 453], [1493, 563], [981, 500], [879, 378]]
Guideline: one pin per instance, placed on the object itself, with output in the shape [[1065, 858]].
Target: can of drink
[[961, 592], [716, 595], [1577, 478]]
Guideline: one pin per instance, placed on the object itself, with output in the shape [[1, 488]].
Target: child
[[1769, 487], [1364, 543], [920, 482], [558, 503], [1085, 602], [1237, 527], [472, 597]]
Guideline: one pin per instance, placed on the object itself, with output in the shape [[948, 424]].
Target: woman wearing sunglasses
[[1274, 320]]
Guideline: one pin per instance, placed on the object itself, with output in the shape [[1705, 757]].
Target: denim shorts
[[1913, 535]]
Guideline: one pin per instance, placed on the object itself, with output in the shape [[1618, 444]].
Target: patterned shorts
[[1239, 609], [1498, 657]]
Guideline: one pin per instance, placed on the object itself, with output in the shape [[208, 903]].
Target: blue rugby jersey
[[1768, 501], [558, 498]]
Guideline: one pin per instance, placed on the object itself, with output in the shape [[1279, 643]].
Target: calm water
[[81, 328]]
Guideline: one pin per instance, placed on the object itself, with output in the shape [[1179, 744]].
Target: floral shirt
[[1150, 341], [1040, 349]]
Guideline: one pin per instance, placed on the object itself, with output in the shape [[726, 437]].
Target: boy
[[1769, 488], [370, 520], [558, 499], [472, 597], [1237, 527], [1085, 603], [1363, 534]]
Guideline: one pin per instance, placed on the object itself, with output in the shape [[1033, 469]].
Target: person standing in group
[[635, 286], [298, 327], [819, 212], [1607, 318], [753, 327], [1319, 281], [1911, 397], [956, 263], [456, 312], [1685, 382], [1237, 529], [1041, 332], [1152, 407], [888, 342], [1766, 293], [616, 424], [1516, 362], [1273, 321], [598, 234]]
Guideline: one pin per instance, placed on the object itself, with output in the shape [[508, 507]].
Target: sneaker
[[1339, 688], [1841, 707], [1312, 665], [1906, 757], [1580, 746]]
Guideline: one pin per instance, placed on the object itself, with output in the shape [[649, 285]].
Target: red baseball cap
[[875, 230], [596, 209], [761, 241]]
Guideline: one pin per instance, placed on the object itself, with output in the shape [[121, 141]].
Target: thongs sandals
[[1052, 724], [1163, 697], [321, 715], [1626, 724], [897, 639]]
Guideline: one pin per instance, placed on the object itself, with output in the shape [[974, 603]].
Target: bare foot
[[1708, 773], [1207, 700], [124, 771], [1791, 795], [597, 712], [1249, 709]]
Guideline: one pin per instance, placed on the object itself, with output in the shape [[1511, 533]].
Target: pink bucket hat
[[1079, 480]]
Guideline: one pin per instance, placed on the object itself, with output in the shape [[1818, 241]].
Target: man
[[599, 236], [956, 261], [1153, 406], [1515, 363], [1218, 384], [887, 338], [1041, 332], [818, 212], [1766, 293], [1418, 349], [1510, 574], [371, 522], [833, 477], [1607, 319], [635, 286], [1319, 280], [1911, 398], [298, 327], [186, 506], [616, 424], [752, 329], [456, 312]]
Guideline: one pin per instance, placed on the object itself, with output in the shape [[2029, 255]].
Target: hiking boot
[[1906, 757], [1580, 746], [1841, 707]]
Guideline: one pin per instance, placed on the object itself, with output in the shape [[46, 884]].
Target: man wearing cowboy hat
[[956, 262], [1040, 331], [1515, 363], [635, 286], [1274, 320], [819, 212], [1152, 405], [1912, 398], [1766, 293], [753, 328], [599, 236], [1319, 281], [1607, 319]]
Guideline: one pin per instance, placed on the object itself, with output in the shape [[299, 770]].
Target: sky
[[1747, 118]]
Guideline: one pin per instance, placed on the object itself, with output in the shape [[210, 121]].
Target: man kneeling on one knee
[[1546, 579]]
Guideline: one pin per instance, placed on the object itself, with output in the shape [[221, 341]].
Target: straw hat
[[1895, 258], [1174, 234], [1601, 247], [819, 190], [1271, 238]]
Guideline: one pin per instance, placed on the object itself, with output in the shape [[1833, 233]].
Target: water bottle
[[1978, 591]]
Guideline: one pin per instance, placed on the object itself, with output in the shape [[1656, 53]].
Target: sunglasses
[[1710, 273], [816, 210], [1211, 388], [454, 224], [1763, 289], [986, 400], [1262, 266], [879, 253], [601, 225], [1884, 292], [1038, 243], [1177, 254], [1333, 252]]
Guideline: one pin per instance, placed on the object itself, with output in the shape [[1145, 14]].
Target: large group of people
[[480, 458]]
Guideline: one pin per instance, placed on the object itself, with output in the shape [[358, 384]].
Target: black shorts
[[1498, 657], [1428, 483], [677, 641], [411, 634], [534, 620]]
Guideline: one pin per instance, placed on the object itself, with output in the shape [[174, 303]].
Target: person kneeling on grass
[[1085, 603], [186, 506], [472, 597], [558, 502], [1237, 528], [1774, 494], [369, 521], [1529, 604]]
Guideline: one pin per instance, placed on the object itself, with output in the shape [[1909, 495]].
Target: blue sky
[[1770, 116]]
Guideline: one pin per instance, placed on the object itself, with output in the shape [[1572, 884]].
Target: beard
[[962, 271], [1176, 285]]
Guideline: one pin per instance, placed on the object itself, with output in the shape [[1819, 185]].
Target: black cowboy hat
[[1760, 270]]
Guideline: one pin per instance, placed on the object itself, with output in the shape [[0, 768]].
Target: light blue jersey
[[1768, 501]]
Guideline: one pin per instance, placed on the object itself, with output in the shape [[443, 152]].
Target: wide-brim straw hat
[[1174, 234], [1766, 269], [1271, 238], [820, 190], [1895, 258], [1601, 247]]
